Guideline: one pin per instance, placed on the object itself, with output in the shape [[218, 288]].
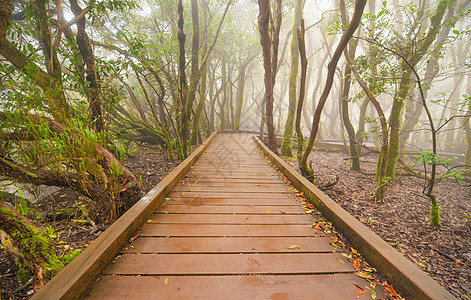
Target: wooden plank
[[212, 194], [214, 179], [208, 209], [254, 160], [276, 287], [230, 189], [243, 185], [228, 230], [231, 219], [229, 245], [228, 264], [229, 173], [231, 201]]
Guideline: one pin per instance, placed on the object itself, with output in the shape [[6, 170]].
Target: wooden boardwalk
[[225, 232]]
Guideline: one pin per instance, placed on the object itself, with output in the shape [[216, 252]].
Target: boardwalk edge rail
[[76, 278], [409, 280]]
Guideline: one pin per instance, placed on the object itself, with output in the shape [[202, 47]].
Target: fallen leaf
[[134, 237], [166, 281], [167, 199], [390, 289], [156, 277], [341, 261], [363, 275], [282, 212], [254, 261], [356, 264], [373, 294], [354, 251], [361, 292], [294, 247], [268, 211]]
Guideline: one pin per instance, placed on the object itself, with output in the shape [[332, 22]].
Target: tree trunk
[[183, 87], [302, 89], [358, 12], [405, 84], [286, 144], [344, 97], [240, 97], [382, 159], [204, 79], [270, 56], [91, 84], [195, 71]]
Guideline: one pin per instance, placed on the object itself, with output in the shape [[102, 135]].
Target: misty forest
[[99, 100]]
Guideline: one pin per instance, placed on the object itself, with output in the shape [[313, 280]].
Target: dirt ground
[[403, 219]]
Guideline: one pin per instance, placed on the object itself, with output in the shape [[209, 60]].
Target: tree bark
[[382, 159], [358, 12], [270, 56], [286, 144], [92, 88], [353, 149], [302, 88], [182, 119]]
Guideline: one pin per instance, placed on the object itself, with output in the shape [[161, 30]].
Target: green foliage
[[66, 259], [23, 272], [23, 206]]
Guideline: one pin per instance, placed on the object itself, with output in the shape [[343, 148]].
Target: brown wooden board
[[233, 173], [231, 201], [231, 219], [229, 264], [230, 189], [229, 245], [254, 287], [228, 230], [234, 185], [216, 194], [217, 179], [207, 209]]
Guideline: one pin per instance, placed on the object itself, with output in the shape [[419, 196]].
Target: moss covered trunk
[[35, 247], [286, 144]]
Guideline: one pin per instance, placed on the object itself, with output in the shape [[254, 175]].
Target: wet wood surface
[[231, 229]]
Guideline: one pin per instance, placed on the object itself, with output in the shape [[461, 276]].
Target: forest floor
[[68, 217], [403, 219]]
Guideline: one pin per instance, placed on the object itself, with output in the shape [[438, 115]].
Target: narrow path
[[225, 232]]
